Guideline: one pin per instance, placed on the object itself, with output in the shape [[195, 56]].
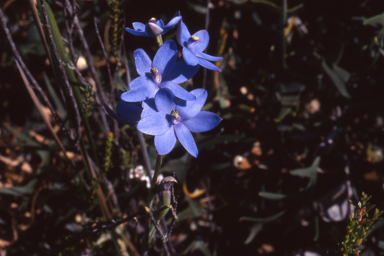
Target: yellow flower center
[[195, 38], [175, 113]]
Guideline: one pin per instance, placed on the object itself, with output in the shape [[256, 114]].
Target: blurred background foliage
[[301, 94]]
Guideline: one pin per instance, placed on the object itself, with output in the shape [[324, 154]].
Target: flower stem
[[159, 40], [151, 195], [157, 170]]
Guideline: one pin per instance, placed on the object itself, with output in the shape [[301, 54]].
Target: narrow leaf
[[21, 190], [338, 82], [264, 220], [272, 196], [378, 19], [256, 228]]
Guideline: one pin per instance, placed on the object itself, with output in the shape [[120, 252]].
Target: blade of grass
[[40, 29], [54, 47], [53, 95]]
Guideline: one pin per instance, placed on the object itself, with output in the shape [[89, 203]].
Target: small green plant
[[108, 152], [88, 102], [359, 225]]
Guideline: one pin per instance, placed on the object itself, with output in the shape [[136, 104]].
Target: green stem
[[159, 40], [157, 170], [77, 94], [151, 195]]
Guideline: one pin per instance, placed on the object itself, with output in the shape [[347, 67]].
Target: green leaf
[[256, 228], [342, 73], [59, 105], [309, 172], [273, 5], [194, 210], [381, 51], [24, 140], [338, 82], [198, 245], [283, 113], [45, 156], [272, 196], [264, 220], [21, 190], [378, 19], [179, 166], [370, 207]]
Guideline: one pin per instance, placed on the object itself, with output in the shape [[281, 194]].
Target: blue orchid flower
[[153, 27], [193, 47], [163, 73], [127, 113], [169, 120]]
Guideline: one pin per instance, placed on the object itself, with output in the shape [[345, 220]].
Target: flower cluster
[[167, 110]]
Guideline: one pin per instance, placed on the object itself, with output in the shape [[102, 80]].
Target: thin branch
[[72, 12], [158, 228], [64, 74], [35, 85], [206, 28], [141, 213], [88, 57], [174, 210], [128, 73], [69, 28], [111, 81]]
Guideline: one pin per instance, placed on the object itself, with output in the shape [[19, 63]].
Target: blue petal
[[128, 111], [166, 142], [138, 26], [208, 65], [186, 139], [202, 44], [165, 58], [207, 57], [152, 29], [189, 57], [172, 23], [115, 116], [136, 33], [156, 124], [164, 100], [181, 72], [149, 107], [142, 61], [177, 90], [160, 23], [189, 109], [182, 34], [203, 121], [144, 91], [140, 82]]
